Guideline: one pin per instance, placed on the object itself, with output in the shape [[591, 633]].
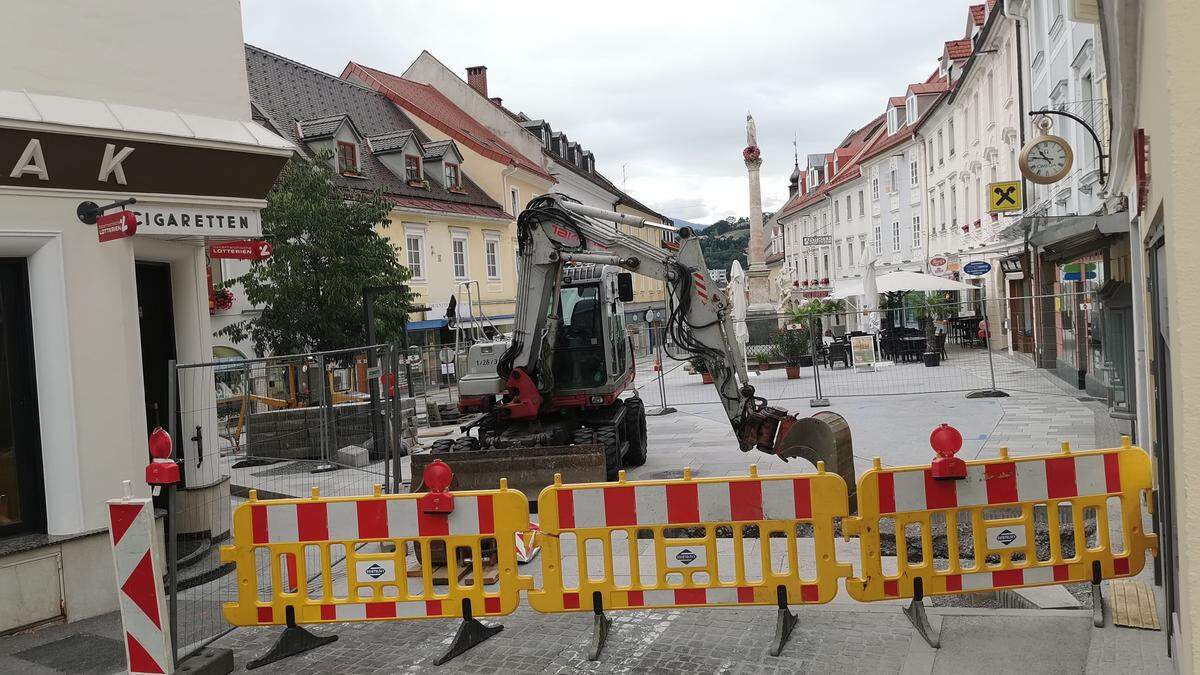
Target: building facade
[[502, 173], [91, 326]]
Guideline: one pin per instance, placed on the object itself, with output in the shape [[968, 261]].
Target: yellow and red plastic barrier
[[998, 501]]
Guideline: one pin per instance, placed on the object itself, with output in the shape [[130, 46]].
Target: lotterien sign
[[197, 221], [819, 240]]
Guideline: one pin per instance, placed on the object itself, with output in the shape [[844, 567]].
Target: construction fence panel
[[1012, 522], [765, 522], [276, 427], [361, 558]]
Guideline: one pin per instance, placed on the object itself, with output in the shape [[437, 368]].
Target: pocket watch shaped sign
[[1046, 159]]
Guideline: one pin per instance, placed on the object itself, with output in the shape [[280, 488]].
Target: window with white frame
[[950, 135], [515, 198], [861, 208], [912, 173], [991, 96], [875, 189], [893, 120], [848, 207], [414, 241], [929, 153], [942, 206], [916, 232], [458, 254], [910, 109], [895, 235], [941, 147], [892, 186], [878, 240], [839, 254], [836, 212], [491, 253], [975, 112]]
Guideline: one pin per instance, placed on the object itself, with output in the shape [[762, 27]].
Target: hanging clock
[[1046, 159]]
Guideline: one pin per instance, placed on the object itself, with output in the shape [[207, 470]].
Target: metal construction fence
[[279, 427], [883, 353]]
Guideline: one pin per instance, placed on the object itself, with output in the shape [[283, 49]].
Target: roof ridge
[[308, 68]]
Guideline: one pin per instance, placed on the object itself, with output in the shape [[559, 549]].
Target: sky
[[657, 90]]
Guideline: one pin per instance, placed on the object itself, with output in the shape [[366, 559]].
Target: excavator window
[[579, 359]]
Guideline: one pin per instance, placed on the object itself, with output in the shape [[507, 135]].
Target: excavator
[[558, 382]]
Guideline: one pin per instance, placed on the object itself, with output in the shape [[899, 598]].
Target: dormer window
[[893, 120], [347, 158], [910, 110], [412, 167], [453, 177]]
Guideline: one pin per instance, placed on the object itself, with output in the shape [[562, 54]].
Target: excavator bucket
[[824, 437]]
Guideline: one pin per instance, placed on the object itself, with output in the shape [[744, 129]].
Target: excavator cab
[[592, 356]]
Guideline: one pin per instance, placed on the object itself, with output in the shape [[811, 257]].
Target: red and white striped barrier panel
[[690, 572], [298, 536], [1010, 504], [139, 591]]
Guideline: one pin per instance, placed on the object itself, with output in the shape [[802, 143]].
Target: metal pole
[[818, 401], [248, 395], [326, 407], [172, 546]]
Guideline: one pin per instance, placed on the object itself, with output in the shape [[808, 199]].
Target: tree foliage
[[325, 250]]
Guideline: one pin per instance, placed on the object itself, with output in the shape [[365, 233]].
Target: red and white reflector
[[529, 543], [139, 593]]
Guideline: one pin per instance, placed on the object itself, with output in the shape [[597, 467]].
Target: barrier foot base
[[915, 611], [988, 393], [470, 633], [785, 622], [600, 627], [294, 640], [1097, 597]]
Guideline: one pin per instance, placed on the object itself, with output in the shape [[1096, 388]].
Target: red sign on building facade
[[116, 225], [241, 249]]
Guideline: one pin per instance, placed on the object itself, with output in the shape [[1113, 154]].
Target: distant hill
[[680, 222]]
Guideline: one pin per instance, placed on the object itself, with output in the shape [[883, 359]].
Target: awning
[[1070, 236], [427, 324]]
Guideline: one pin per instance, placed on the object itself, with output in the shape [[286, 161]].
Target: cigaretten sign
[[116, 225], [241, 249]]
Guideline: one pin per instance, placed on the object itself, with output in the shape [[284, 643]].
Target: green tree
[[325, 250]]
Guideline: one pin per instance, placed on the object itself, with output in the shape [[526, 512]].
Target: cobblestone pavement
[[661, 641]]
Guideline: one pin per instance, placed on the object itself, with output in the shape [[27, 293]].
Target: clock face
[[1046, 159]]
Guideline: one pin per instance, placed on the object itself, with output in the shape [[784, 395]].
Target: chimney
[[477, 78]]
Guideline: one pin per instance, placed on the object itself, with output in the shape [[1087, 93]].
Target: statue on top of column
[[751, 152]]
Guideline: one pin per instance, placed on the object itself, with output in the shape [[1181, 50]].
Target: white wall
[[169, 54]]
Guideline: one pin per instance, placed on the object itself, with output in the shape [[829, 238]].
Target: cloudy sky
[[659, 89]]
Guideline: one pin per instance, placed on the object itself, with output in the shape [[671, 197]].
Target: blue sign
[[977, 268]]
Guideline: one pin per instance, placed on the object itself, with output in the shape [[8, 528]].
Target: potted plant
[[928, 308], [794, 347], [701, 367], [764, 362]]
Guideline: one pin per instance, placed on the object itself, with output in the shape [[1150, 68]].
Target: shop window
[[22, 495]]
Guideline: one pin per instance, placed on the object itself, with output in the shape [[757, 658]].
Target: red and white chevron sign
[[143, 611]]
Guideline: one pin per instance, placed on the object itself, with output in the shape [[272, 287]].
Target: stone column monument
[[762, 316]]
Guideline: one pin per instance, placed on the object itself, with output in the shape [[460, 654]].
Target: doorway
[[22, 492], [156, 321], [1167, 563]]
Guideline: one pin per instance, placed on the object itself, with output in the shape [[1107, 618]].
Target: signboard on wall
[[117, 225], [240, 249], [199, 221], [819, 240]]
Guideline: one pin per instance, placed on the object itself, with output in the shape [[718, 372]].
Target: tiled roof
[[436, 149], [978, 13], [385, 143], [430, 105], [929, 87], [285, 92], [897, 101], [853, 147], [321, 127], [958, 49], [887, 141]]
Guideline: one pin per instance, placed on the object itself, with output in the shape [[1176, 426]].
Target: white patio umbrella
[[870, 292], [894, 282], [737, 295]]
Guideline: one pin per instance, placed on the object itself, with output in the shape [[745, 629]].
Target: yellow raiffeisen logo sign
[[1005, 196]]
